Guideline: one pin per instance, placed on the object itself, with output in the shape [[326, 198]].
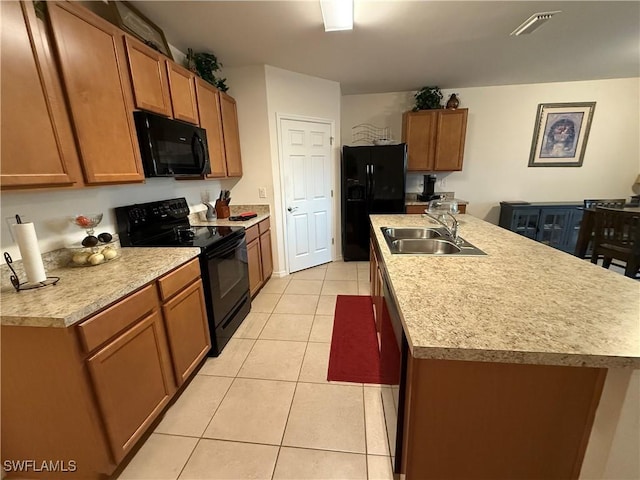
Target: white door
[[306, 151]]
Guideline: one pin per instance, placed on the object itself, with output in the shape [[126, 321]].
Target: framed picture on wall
[[560, 134], [133, 21]]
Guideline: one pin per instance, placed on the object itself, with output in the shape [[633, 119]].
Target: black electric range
[[223, 258]]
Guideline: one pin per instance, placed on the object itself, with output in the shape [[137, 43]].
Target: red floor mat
[[354, 353]]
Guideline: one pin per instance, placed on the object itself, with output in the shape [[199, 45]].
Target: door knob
[[292, 209]]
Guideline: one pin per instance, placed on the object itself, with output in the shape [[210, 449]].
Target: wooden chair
[[617, 235], [584, 244], [607, 202]]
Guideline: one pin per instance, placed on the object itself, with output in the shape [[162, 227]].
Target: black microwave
[[171, 148]]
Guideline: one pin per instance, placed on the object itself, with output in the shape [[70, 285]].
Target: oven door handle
[[222, 251]]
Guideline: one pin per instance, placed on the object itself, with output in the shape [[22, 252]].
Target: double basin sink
[[426, 241]]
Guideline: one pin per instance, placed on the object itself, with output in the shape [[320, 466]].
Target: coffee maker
[[428, 189]]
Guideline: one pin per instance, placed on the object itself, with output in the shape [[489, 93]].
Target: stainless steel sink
[[426, 241], [412, 232], [431, 246]]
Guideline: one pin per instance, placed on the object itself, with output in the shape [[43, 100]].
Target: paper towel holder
[[15, 281]]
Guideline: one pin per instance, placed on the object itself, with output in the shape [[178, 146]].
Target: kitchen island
[[507, 355]]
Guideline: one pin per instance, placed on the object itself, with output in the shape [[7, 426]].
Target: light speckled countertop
[[418, 202], [523, 302], [262, 210], [197, 222], [412, 198], [83, 291]]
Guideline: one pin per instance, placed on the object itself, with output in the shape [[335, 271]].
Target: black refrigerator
[[373, 181]]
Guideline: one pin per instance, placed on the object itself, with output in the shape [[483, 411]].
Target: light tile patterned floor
[[264, 409]]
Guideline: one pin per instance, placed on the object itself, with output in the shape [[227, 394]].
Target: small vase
[[453, 102]]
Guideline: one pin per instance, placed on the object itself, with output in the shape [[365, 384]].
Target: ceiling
[[405, 45]]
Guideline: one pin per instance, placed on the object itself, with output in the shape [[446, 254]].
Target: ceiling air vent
[[534, 22]]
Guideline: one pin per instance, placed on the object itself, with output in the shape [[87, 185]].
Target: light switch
[[262, 192]]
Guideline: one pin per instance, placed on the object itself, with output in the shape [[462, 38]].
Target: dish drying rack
[[370, 134]]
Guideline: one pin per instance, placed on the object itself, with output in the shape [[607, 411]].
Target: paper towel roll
[[30, 252]]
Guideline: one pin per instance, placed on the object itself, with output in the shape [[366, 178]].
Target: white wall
[[248, 87], [498, 141], [613, 451], [50, 210], [296, 94], [261, 92]]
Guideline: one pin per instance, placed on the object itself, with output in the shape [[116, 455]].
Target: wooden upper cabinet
[[419, 133], [211, 121], [148, 78], [452, 128], [182, 86], [94, 69], [38, 148], [231, 135], [435, 139]]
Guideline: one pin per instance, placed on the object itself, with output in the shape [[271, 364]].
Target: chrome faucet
[[452, 230]]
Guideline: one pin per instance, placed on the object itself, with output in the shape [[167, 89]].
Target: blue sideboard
[[553, 223]]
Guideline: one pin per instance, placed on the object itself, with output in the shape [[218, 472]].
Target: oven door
[[228, 273]]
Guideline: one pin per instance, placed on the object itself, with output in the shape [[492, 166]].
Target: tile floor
[[264, 409]]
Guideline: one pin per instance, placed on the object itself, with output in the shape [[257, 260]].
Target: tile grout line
[[188, 458], [366, 445]]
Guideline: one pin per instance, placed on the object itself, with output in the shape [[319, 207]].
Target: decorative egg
[[89, 241], [109, 253], [105, 237], [80, 258], [96, 259]]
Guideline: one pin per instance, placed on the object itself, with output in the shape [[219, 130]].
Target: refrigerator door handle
[[367, 181], [373, 180]]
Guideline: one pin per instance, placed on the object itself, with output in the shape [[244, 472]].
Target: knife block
[[222, 211]]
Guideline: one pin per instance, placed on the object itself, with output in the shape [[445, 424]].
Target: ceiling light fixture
[[534, 22], [337, 14]]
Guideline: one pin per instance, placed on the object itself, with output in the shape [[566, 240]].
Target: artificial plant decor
[[205, 65], [428, 98]]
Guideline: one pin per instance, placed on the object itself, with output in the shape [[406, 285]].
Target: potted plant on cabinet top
[[428, 98]]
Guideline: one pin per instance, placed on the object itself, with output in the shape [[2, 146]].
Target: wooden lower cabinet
[[185, 317], [259, 255], [255, 266], [266, 259], [375, 277], [87, 393], [132, 380], [476, 420], [413, 209]]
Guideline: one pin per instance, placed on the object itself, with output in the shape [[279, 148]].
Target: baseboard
[[280, 274]]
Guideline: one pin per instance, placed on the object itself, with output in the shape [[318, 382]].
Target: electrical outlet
[[443, 183], [262, 192]]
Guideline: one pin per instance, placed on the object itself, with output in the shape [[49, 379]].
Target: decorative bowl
[[104, 252], [89, 220]]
